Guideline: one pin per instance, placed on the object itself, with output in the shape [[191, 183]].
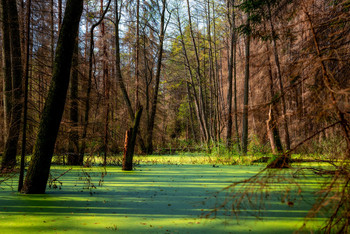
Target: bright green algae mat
[[152, 199]]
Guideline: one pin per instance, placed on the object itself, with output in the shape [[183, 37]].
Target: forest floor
[[169, 195]]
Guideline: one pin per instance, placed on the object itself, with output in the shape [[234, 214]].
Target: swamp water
[[152, 199]]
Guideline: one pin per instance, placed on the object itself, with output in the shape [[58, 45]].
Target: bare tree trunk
[[25, 104], [235, 94], [271, 123], [279, 74], [246, 93], [52, 36], [39, 168], [212, 107], [88, 90], [73, 145], [217, 92], [230, 75], [119, 73], [106, 87], [6, 52], [59, 15], [202, 109], [150, 124], [137, 54], [118, 65], [191, 112], [9, 157], [188, 65]]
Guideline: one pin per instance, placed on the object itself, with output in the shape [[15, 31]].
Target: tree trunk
[[59, 15], [190, 101], [89, 86], [229, 78], [195, 95], [201, 109], [271, 123], [106, 88], [6, 52], [235, 95], [279, 74], [246, 94], [150, 125], [73, 145], [119, 73], [130, 140], [25, 104], [273, 134], [39, 168], [14, 128], [137, 60]]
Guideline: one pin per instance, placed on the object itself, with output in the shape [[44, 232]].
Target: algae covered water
[[157, 198]]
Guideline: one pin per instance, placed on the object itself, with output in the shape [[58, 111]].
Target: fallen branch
[[55, 179]]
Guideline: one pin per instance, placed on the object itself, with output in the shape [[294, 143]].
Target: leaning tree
[[39, 168]]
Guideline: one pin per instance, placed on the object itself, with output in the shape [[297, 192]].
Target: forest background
[[213, 77]]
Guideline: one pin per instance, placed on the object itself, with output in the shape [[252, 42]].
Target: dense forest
[[103, 77], [264, 74]]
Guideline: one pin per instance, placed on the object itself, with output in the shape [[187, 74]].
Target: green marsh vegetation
[[163, 194], [187, 192]]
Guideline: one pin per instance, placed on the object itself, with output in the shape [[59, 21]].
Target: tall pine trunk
[[39, 168]]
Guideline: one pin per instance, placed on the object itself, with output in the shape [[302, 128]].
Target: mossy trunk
[[39, 168], [14, 128], [130, 141]]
